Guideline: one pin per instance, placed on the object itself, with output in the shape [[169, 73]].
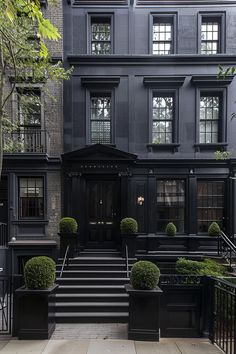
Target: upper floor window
[[163, 35], [101, 35], [31, 197], [210, 204], [170, 204], [210, 36], [29, 107], [162, 118], [100, 118], [209, 118]]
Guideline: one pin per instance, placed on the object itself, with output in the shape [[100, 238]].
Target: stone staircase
[[91, 289]]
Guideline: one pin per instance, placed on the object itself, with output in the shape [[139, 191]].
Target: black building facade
[[144, 114]]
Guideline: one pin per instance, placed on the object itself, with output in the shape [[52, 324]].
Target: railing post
[[234, 339], [211, 308]]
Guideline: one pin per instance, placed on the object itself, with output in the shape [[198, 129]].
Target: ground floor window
[[170, 204], [31, 197], [210, 204]]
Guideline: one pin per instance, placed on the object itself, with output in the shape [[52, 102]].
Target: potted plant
[[34, 303], [144, 302], [129, 229], [214, 229], [171, 229], [68, 236]]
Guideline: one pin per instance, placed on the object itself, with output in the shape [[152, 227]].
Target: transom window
[[162, 119], [101, 36], [210, 204], [100, 119], [31, 200], [210, 36], [209, 118], [163, 36], [170, 204]]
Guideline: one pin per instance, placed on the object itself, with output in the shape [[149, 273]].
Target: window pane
[[209, 36], [101, 36], [162, 115], [162, 37], [210, 204], [170, 204], [209, 119], [31, 201], [100, 120], [29, 107]]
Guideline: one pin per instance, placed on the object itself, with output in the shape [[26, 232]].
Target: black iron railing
[[3, 234], [34, 141], [127, 260], [65, 260], [226, 249], [223, 324], [5, 305]]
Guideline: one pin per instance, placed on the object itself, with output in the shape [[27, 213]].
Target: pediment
[[98, 152]]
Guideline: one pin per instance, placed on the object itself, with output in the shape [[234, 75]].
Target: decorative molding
[[163, 81], [93, 82], [100, 3], [153, 3], [172, 59], [214, 146], [211, 80], [174, 147]]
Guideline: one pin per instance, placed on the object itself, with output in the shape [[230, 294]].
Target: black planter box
[[130, 241], [34, 313], [144, 314], [73, 241]]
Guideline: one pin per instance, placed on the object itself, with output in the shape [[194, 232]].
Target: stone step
[[98, 260], [92, 266], [92, 281], [89, 317], [93, 273], [92, 289], [91, 307], [93, 297]]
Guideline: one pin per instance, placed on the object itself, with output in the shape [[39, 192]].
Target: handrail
[[226, 247], [127, 260], [64, 260]]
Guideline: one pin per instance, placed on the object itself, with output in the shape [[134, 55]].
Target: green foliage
[[205, 267], [144, 275], [40, 273], [68, 225], [171, 229], [128, 226], [214, 229], [222, 155]]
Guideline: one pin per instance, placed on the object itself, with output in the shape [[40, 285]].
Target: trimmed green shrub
[[40, 273], [205, 267], [214, 229], [128, 226], [171, 229], [144, 275], [68, 225]]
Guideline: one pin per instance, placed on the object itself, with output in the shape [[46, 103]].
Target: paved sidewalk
[[107, 346]]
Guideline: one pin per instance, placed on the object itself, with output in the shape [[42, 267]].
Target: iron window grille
[[100, 119], [163, 36], [210, 204], [170, 204], [31, 197], [162, 119], [210, 35], [209, 118], [101, 36]]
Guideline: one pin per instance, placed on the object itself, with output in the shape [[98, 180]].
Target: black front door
[[4, 200], [102, 212]]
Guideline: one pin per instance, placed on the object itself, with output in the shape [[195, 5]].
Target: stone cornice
[[175, 59]]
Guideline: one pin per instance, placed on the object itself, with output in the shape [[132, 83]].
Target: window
[[31, 200], [29, 107], [210, 204], [162, 35], [101, 35], [209, 118], [211, 33], [162, 119], [170, 204], [100, 118]]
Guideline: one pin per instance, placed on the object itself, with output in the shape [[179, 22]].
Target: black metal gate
[[6, 298], [223, 322]]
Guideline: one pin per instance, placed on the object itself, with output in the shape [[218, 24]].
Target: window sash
[[162, 119], [100, 36], [210, 36], [100, 120], [31, 197], [209, 119], [162, 33]]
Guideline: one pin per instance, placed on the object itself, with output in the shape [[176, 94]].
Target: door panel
[[102, 212]]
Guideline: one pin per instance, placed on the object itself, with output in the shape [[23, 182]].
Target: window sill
[[207, 147], [174, 147], [30, 221]]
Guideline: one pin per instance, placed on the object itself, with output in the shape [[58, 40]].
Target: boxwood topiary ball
[[144, 275], [214, 229], [128, 226], [68, 225], [171, 229], [40, 273]]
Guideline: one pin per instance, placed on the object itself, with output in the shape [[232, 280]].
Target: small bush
[[144, 275], [171, 229], [68, 225], [214, 229], [205, 267], [40, 273], [128, 226]]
